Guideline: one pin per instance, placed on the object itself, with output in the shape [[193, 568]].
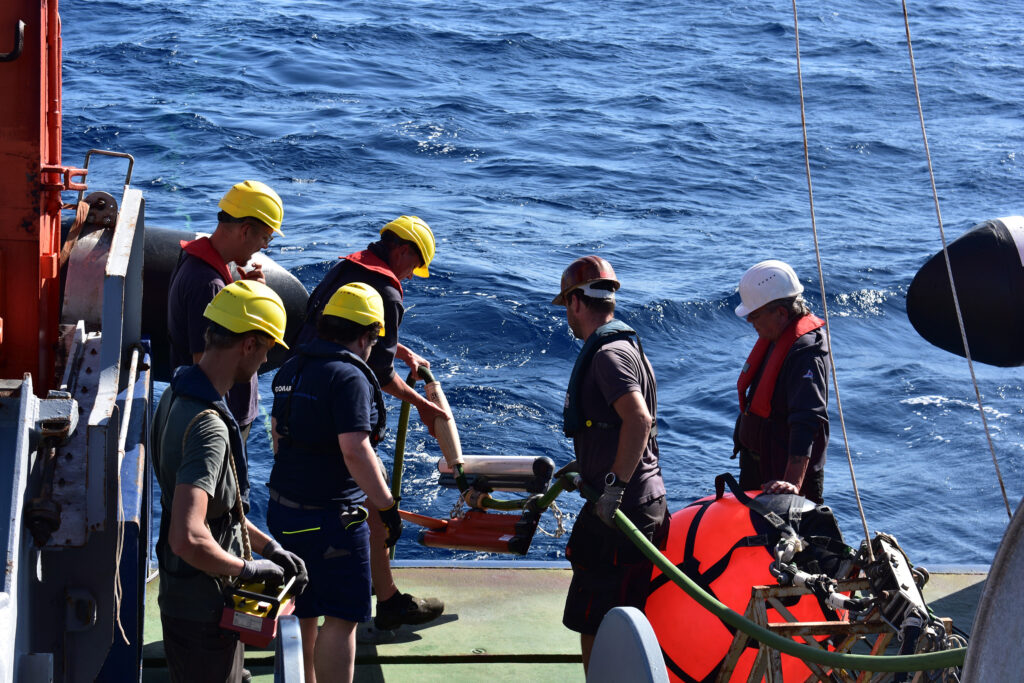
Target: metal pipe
[[126, 413]]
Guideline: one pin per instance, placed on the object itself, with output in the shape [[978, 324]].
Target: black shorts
[[608, 570], [201, 652], [335, 545]]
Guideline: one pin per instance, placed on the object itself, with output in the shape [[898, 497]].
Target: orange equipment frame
[[31, 178]]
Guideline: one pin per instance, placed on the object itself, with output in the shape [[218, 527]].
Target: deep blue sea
[[664, 136]]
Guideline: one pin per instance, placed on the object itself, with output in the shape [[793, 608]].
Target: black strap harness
[[573, 419], [218, 525], [287, 437]]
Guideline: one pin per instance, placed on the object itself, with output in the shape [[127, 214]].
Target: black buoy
[[163, 246], [988, 269]]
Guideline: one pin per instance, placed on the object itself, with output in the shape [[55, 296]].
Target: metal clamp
[[19, 43], [67, 173]]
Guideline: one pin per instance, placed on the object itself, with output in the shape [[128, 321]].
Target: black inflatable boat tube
[[162, 249]]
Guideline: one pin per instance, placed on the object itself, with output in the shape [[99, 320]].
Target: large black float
[[988, 269], [162, 249]]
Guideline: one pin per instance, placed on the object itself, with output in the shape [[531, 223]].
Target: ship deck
[[503, 623]]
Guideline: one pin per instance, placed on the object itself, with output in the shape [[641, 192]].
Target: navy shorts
[[335, 545], [608, 570]]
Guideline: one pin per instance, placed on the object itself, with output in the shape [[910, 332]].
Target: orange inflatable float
[[723, 546]]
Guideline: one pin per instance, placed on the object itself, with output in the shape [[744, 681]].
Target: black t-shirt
[[382, 358]]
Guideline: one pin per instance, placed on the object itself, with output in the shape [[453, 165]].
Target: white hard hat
[[765, 282]]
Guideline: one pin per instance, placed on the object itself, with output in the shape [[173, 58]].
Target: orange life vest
[[761, 404], [367, 259], [203, 250]]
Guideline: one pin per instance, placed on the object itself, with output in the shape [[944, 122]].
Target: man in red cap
[[611, 415]]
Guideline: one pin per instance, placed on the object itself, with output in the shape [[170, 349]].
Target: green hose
[[543, 502], [399, 460], [922, 662]]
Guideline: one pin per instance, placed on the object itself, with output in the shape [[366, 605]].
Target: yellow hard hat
[[253, 199], [247, 306], [358, 302], [416, 230]]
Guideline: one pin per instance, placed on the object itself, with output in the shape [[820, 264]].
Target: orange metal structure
[[31, 178]]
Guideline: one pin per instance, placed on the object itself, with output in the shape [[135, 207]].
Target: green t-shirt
[[185, 592]]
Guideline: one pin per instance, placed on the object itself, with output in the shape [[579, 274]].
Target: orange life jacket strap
[[367, 259], [761, 404], [203, 250]]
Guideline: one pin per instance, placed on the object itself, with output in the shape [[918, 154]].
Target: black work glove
[[608, 503], [571, 468], [393, 522], [266, 571], [290, 562]]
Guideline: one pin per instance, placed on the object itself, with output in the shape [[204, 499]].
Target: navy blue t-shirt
[[193, 286], [328, 397]]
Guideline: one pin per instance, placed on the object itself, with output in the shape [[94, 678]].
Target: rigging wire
[[821, 285], [949, 268]]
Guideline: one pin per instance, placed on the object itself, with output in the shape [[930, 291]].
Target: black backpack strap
[[650, 376], [772, 518], [284, 424]]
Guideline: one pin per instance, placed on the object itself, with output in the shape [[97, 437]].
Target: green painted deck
[[501, 624]]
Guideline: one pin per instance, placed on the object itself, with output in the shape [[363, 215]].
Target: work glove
[[266, 571], [290, 562], [393, 522], [608, 503], [572, 468]]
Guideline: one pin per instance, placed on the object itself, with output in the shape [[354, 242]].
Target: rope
[[559, 522], [821, 285], [246, 543], [121, 440], [81, 214], [119, 549], [949, 268]]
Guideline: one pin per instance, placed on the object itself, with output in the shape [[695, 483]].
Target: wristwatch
[[611, 480]]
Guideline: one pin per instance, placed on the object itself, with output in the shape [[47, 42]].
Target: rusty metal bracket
[[19, 43], [66, 183], [105, 152]]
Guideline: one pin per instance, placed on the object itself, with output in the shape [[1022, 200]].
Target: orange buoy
[[723, 546]]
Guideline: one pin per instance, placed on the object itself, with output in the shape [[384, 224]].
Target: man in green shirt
[[205, 540]]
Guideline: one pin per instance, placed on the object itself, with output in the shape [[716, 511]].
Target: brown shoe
[[402, 608]]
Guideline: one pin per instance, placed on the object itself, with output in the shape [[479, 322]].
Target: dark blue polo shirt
[[327, 397], [193, 285]]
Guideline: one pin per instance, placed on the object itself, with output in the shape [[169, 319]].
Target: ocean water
[[663, 136]]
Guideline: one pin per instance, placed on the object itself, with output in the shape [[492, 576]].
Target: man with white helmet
[[406, 248], [249, 218], [781, 433]]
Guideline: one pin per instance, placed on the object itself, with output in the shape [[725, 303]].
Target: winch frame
[[767, 665]]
